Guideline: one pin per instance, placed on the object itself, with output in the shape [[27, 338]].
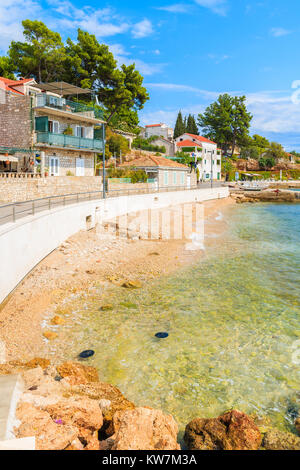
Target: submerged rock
[[105, 308], [77, 373], [277, 440], [144, 429], [233, 430], [132, 285], [297, 424], [50, 335], [57, 320]]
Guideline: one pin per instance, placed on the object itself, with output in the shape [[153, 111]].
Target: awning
[[9, 158], [62, 88]]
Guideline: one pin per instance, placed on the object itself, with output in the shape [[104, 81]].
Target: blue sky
[[190, 52]]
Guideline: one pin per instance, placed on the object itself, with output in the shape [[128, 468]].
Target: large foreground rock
[[49, 435], [110, 399], [277, 440], [144, 429], [81, 412], [231, 431]]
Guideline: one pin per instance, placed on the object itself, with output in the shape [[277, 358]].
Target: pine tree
[[179, 126], [191, 127]]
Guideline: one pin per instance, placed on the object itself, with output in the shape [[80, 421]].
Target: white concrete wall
[[29, 240]]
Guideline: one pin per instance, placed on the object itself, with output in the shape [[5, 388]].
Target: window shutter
[[98, 133], [41, 124]]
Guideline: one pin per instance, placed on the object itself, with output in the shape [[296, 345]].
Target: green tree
[[7, 68], [266, 163], [226, 121], [92, 65], [260, 142], [275, 152], [117, 144], [41, 56], [191, 126], [85, 63], [179, 126], [126, 120]]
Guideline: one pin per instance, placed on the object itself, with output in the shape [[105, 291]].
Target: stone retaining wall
[[16, 190]]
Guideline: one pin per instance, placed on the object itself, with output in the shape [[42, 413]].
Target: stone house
[[42, 131], [168, 144], [205, 152], [161, 130], [165, 173]]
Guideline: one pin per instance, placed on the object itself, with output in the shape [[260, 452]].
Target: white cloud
[[275, 114], [142, 29], [12, 12], [279, 32], [183, 88], [217, 6], [175, 8], [217, 58]]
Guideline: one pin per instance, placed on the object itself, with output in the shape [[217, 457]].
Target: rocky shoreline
[[67, 407], [268, 195]]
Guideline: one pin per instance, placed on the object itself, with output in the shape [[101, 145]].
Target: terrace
[[69, 141]]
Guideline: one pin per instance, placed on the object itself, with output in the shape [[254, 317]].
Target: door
[[79, 166], [54, 166], [188, 181]]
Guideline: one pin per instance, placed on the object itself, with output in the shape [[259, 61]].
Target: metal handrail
[[17, 210]]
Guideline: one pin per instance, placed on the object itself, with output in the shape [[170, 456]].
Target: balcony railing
[[43, 100], [62, 140]]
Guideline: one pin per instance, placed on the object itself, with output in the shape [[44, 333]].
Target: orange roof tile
[[200, 138], [188, 143], [9, 84], [151, 160]]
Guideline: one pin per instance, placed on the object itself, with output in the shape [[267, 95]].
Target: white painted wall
[[29, 240], [207, 156]]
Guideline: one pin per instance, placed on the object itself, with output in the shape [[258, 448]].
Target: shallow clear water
[[232, 319]]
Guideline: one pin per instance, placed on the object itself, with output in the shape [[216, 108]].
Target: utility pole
[[103, 161], [211, 168]]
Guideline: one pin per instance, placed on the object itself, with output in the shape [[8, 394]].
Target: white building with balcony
[[61, 136], [205, 153]]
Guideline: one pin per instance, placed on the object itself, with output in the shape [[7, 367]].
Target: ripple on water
[[232, 322]]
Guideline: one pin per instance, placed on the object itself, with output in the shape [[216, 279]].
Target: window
[[80, 131], [174, 177], [182, 178], [53, 126], [166, 178], [218, 162]]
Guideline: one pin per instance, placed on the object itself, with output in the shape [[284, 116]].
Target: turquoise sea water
[[232, 319]]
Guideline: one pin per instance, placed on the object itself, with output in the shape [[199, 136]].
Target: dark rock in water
[[86, 354], [162, 335], [278, 440], [231, 431]]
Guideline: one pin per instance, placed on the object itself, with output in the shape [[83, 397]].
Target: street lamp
[[211, 167]]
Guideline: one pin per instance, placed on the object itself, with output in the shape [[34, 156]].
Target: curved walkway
[[30, 239]]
